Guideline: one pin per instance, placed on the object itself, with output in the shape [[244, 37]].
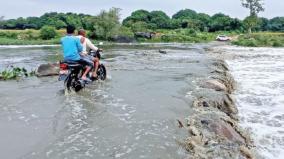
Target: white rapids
[[259, 73]]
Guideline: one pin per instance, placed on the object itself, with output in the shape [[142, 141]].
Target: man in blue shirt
[[72, 48]]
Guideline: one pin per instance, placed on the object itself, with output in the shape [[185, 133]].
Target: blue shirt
[[72, 47]]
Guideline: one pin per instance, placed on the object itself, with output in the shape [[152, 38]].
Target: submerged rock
[[215, 84], [48, 69], [212, 134], [162, 51], [147, 35], [123, 39], [213, 129]]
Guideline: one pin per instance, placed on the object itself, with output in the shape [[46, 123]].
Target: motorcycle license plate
[[62, 75], [63, 72]]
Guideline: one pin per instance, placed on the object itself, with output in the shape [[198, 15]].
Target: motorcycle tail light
[[63, 66]]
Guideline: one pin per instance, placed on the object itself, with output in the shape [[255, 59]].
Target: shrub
[[47, 32], [277, 43]]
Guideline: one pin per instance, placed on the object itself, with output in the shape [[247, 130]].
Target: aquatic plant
[[15, 73]]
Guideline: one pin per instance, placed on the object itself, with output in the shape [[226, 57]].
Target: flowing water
[[130, 115], [259, 73]]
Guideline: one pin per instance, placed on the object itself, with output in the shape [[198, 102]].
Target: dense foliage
[[47, 32], [106, 24], [142, 20], [261, 39], [57, 20]]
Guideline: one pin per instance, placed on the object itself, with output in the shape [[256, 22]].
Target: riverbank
[[265, 39], [32, 37], [260, 39]]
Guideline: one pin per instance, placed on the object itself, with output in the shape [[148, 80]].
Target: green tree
[[139, 27], [276, 24], [251, 22], [185, 14], [159, 19], [220, 22], [47, 32], [263, 24], [137, 16], [254, 6], [1, 22], [106, 24]]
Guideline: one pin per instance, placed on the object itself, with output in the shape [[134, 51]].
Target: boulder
[[225, 131], [123, 39], [162, 51], [147, 35], [48, 69], [215, 84]]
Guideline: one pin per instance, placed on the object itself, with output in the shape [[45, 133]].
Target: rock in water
[[162, 51], [215, 84], [48, 69]]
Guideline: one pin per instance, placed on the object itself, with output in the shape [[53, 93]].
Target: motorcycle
[[71, 72]]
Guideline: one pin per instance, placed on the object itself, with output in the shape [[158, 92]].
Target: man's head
[[70, 29], [82, 32]]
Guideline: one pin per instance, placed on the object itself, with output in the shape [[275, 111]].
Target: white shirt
[[87, 45]]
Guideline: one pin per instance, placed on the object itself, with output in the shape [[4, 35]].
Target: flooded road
[[259, 73], [133, 114]]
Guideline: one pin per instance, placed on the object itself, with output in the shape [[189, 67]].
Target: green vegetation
[[254, 6], [47, 32], [143, 26], [261, 39], [15, 73], [106, 24], [27, 37]]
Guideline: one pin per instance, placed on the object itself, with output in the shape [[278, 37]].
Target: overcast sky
[[24, 8]]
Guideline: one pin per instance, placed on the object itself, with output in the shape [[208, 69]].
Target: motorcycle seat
[[72, 63]]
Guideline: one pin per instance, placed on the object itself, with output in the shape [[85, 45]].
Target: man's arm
[[91, 45]]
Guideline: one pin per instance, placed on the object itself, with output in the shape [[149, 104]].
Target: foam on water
[[26, 46], [259, 73]]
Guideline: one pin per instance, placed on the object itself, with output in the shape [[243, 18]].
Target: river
[[133, 114], [259, 73]]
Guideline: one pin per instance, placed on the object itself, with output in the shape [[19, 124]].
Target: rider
[[87, 46], [71, 49]]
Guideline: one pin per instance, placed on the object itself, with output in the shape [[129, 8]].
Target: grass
[[26, 37], [261, 39], [8, 41]]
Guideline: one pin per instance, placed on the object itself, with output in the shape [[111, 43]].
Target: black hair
[[70, 29]]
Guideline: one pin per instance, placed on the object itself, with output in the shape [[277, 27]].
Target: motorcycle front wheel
[[102, 74]]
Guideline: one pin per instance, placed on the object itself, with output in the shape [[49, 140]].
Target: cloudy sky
[[24, 8]]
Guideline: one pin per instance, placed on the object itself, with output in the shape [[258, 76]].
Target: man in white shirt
[[87, 46]]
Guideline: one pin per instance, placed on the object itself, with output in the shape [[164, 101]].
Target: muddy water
[[260, 95], [130, 115]]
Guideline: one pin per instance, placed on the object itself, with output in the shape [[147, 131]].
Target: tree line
[[142, 20]]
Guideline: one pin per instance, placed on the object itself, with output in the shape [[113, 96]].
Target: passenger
[[72, 48], [87, 46]]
